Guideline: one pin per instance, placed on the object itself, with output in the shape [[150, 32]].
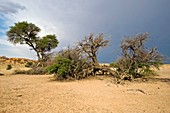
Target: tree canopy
[[23, 33], [26, 33]]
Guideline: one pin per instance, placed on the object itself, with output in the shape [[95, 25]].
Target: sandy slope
[[37, 94]]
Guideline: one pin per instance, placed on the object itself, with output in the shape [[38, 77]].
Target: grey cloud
[[113, 17], [8, 7], [73, 19]]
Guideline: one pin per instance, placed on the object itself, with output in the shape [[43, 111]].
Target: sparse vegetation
[[37, 71], [34, 71], [81, 61], [1, 74], [8, 67], [28, 64], [20, 72]]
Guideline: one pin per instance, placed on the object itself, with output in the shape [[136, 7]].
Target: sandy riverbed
[[38, 94]]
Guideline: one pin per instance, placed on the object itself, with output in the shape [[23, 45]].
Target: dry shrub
[[9, 67], [1, 74], [29, 64], [37, 71], [69, 64], [20, 72], [33, 71], [136, 60]]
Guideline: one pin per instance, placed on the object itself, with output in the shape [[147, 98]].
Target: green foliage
[[47, 43], [28, 64], [53, 68], [62, 67], [9, 67], [23, 32]]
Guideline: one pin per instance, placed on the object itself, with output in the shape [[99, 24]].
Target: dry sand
[[37, 94]]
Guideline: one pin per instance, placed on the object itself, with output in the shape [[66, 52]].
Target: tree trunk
[[95, 61], [38, 55]]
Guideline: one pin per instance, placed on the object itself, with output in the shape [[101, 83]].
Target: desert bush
[[29, 64], [33, 71], [68, 64], [52, 68], [37, 71], [62, 67], [9, 67], [20, 72], [112, 64], [136, 60], [1, 74]]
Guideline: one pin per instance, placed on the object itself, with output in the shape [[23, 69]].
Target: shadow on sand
[[166, 80]]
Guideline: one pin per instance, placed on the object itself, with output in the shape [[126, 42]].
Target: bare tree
[[90, 45]]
